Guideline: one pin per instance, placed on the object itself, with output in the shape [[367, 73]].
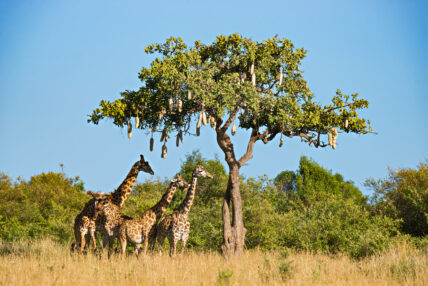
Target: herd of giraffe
[[102, 213]]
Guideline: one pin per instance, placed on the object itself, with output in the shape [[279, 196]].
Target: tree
[[257, 84], [404, 195]]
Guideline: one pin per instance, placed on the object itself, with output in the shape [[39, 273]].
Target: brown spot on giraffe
[[142, 230], [86, 222], [176, 226]]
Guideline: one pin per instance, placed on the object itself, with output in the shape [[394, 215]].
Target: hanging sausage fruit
[[171, 104], [152, 142], [164, 151], [253, 75], [129, 129]]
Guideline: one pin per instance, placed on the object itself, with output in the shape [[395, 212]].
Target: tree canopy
[[261, 83]]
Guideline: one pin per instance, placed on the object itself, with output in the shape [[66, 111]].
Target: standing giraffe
[[143, 229], [88, 222], [176, 226]]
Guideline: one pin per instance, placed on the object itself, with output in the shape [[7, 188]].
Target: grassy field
[[48, 263]]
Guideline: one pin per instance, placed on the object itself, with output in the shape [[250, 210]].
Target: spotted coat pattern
[[176, 226], [142, 230], [86, 222]]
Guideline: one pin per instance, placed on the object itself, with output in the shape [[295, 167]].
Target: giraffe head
[[144, 166], [179, 181], [97, 197], [201, 172]]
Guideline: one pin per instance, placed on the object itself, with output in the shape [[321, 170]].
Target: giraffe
[[143, 229], [87, 222], [110, 217], [176, 226]]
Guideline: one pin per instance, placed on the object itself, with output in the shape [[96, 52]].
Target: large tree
[[259, 85]]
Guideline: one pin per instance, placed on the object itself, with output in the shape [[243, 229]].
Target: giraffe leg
[[82, 241], [122, 241], [160, 238], [145, 244], [173, 245], [110, 246], [93, 238], [152, 239], [184, 238]]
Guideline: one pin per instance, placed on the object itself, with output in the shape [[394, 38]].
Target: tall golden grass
[[49, 263]]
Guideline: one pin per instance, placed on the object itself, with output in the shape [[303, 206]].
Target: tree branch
[[229, 121], [249, 154]]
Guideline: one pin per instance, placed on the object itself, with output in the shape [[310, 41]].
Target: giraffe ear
[[91, 193]]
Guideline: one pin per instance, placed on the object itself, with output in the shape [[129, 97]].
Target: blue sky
[[58, 59]]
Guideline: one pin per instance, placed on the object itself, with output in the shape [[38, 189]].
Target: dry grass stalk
[[48, 263]]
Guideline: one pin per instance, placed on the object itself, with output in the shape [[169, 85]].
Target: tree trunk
[[233, 231]]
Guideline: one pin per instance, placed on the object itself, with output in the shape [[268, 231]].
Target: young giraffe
[[143, 229], [176, 226], [87, 222]]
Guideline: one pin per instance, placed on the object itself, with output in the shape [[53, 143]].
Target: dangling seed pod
[[199, 121], [181, 136], [164, 151], [161, 114], [177, 140], [204, 118], [189, 94], [129, 130], [346, 123], [171, 103], [137, 121], [179, 105], [281, 142], [281, 75], [253, 75], [211, 120], [198, 130], [233, 129], [152, 142], [335, 134], [164, 135], [330, 138]]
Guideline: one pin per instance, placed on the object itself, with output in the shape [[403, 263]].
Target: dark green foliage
[[308, 209], [404, 196], [44, 206]]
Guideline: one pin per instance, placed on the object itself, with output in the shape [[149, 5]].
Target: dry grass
[[47, 263]]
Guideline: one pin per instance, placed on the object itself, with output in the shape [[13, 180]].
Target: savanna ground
[[44, 262]]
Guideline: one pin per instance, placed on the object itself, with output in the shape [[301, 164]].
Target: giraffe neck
[[185, 206], [120, 195], [162, 205]]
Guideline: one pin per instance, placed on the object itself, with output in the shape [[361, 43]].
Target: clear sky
[[58, 59]]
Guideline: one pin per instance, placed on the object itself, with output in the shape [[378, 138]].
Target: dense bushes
[[404, 196], [309, 209], [45, 206]]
